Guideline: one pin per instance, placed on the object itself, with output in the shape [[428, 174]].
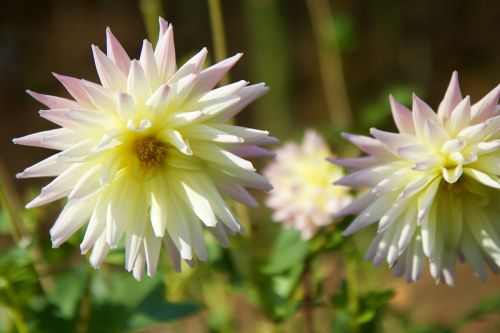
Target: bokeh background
[[330, 65]]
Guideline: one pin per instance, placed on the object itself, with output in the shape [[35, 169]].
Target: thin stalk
[[14, 311], [330, 63], [18, 320], [218, 34], [42, 269], [11, 203], [251, 266], [219, 40], [307, 304], [82, 325], [351, 276], [270, 62], [151, 10]]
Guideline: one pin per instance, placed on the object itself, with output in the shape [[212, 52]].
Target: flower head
[[434, 187], [146, 155], [303, 197]]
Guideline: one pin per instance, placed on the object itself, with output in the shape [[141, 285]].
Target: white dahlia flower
[[434, 188], [147, 154], [303, 197]]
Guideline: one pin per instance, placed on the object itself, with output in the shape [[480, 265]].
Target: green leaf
[[341, 321], [121, 288], [45, 317], [288, 251], [116, 257], [342, 31], [121, 303], [69, 289], [366, 317], [4, 223], [155, 310], [376, 299], [484, 308]]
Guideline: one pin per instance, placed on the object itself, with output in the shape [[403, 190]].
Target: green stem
[[352, 284], [42, 269], [251, 266], [14, 311], [330, 63], [270, 62], [18, 321], [151, 11], [82, 324], [11, 203], [218, 34], [307, 304]]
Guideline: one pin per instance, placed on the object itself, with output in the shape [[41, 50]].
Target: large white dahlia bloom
[[434, 188], [303, 197], [147, 154]]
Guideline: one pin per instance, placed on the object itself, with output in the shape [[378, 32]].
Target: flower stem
[[151, 10], [330, 63], [218, 34], [352, 285], [82, 324], [307, 303], [10, 202], [18, 320]]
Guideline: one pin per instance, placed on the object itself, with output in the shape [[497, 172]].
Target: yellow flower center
[[150, 152], [453, 156]]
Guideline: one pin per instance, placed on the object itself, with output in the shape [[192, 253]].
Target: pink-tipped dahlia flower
[[434, 188], [303, 197], [147, 154]]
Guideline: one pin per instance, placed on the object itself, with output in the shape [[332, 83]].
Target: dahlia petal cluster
[[433, 188], [147, 155], [303, 197]]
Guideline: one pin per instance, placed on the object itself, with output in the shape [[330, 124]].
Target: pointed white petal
[[75, 88], [148, 63], [73, 217], [483, 178], [402, 117], [371, 214], [165, 54], [426, 199], [53, 102], [137, 84], [109, 73], [220, 156], [451, 175], [159, 98], [192, 66], [452, 97], [461, 116], [209, 77], [421, 113], [158, 206], [99, 252], [152, 246], [116, 52], [487, 107]]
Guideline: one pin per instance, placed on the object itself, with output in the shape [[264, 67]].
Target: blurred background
[[330, 65]]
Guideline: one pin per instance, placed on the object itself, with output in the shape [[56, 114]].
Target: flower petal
[[116, 53], [452, 97], [109, 73]]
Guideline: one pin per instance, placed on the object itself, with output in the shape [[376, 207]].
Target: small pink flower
[[303, 197]]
